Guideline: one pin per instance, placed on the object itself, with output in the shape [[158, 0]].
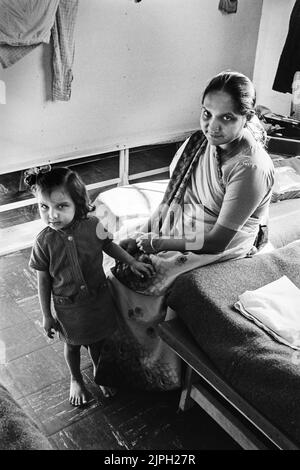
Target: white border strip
[[32, 200]]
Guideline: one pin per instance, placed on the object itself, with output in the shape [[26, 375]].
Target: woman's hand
[[50, 326], [129, 245], [143, 270], [146, 243]]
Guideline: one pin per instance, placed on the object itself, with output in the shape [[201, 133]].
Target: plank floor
[[36, 374]]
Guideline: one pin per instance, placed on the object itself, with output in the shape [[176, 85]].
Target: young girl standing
[[67, 255]]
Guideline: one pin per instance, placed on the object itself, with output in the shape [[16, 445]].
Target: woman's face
[[219, 121], [56, 209]]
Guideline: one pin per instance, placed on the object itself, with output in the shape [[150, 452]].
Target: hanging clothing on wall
[[9, 55], [289, 61], [62, 39], [228, 6], [26, 22], [63, 49]]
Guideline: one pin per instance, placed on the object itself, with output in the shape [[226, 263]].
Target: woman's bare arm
[[214, 241]]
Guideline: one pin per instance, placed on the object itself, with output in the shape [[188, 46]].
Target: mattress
[[265, 372]]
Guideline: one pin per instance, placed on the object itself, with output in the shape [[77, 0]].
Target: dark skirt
[[86, 320]]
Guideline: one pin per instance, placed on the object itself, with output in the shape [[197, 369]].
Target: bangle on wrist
[[151, 244]]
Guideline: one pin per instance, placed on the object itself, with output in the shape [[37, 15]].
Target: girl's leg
[[94, 350], [95, 354], [78, 392]]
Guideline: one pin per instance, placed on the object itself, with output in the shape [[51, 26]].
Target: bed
[[259, 376]]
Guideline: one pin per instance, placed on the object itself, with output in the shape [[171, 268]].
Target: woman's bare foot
[[79, 395], [108, 392]]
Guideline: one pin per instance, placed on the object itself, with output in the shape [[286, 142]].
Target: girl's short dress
[[87, 319], [82, 300]]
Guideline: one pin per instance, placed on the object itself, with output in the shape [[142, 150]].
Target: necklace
[[222, 156], [219, 167], [234, 149]]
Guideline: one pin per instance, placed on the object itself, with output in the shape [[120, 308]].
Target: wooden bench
[[204, 385]]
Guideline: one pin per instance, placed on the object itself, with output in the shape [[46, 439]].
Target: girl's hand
[[49, 324], [144, 270], [145, 243]]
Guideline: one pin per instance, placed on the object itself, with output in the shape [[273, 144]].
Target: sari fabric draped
[[135, 356]]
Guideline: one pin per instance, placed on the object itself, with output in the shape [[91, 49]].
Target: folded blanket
[[275, 308]]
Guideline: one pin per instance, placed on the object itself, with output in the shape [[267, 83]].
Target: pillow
[[287, 179], [118, 206]]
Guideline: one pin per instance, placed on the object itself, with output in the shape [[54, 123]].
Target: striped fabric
[[9, 55], [63, 49], [180, 178], [26, 22], [62, 38]]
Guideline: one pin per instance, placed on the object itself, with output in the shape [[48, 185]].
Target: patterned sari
[[135, 356]]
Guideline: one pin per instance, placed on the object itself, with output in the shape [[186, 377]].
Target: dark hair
[[242, 91], [47, 181]]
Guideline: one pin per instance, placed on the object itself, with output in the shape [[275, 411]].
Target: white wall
[[272, 35], [138, 75]]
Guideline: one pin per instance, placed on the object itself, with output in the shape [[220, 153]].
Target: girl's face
[[219, 121], [56, 209]]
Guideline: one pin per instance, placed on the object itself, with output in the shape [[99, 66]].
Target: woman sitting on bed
[[216, 201]]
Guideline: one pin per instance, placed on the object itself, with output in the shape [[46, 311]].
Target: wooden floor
[[33, 369]]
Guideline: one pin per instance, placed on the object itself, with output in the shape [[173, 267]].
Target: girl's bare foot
[[78, 393], [108, 392]]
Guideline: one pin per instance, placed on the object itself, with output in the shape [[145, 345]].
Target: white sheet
[[275, 308]]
